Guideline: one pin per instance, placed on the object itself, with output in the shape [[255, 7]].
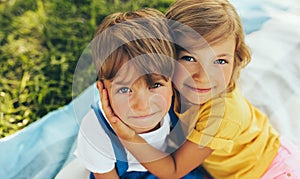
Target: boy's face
[[203, 73], [137, 104]]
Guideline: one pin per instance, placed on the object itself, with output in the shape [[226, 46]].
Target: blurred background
[[40, 44]]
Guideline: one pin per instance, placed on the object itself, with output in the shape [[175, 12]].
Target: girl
[[224, 132]]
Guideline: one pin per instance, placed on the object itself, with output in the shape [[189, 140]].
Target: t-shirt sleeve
[[94, 149], [215, 129]]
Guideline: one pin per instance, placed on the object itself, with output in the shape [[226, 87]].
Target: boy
[[134, 59]]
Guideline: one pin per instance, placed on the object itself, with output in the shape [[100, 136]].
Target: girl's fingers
[[99, 86], [105, 102], [103, 98], [107, 108], [120, 128]]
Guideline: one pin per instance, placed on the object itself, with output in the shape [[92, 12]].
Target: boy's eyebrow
[[124, 80], [157, 77], [121, 83]]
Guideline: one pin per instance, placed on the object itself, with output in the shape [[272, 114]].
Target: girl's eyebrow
[[228, 56], [187, 53], [224, 55], [184, 51]]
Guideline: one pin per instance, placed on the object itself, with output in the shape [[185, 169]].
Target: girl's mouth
[[199, 90]]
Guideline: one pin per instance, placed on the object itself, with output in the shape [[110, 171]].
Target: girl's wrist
[[133, 138]]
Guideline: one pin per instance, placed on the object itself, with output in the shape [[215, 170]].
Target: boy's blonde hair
[[125, 35], [214, 20]]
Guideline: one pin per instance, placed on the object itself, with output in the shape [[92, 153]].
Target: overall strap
[[121, 157], [177, 134], [173, 117]]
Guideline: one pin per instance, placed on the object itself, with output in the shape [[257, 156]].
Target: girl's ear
[[173, 91], [173, 88]]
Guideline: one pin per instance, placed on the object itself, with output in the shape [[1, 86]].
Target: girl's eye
[[220, 61], [156, 85], [187, 58], [124, 90]]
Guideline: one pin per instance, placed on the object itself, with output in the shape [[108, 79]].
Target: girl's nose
[[200, 74]]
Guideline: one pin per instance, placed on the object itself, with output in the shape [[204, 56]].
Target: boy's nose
[[140, 101]]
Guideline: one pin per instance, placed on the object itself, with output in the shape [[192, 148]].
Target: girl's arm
[[109, 175], [163, 165]]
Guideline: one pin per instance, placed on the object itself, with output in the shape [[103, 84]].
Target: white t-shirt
[[94, 148]]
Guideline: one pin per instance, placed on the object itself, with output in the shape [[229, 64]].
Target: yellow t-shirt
[[243, 140]]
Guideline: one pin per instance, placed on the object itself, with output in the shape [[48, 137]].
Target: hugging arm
[[109, 175], [161, 164]]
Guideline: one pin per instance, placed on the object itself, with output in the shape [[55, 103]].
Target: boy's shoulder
[[91, 130], [94, 147]]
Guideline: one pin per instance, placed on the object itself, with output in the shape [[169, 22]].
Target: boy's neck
[[153, 129]]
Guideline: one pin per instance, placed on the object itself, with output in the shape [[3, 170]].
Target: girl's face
[[138, 104], [203, 73]]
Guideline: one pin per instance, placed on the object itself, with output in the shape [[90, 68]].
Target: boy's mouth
[[143, 116]]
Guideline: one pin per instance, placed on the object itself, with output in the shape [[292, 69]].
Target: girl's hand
[[121, 129]]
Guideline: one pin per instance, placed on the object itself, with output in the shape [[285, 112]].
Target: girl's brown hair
[[214, 20]]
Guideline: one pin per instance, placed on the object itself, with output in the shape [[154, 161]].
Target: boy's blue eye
[[220, 61], [124, 90], [187, 58]]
